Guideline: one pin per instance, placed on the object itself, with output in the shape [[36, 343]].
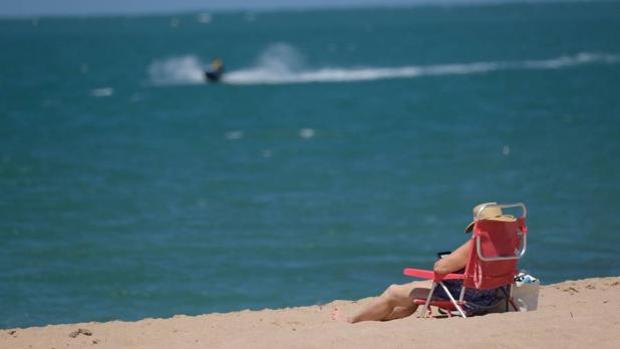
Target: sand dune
[[571, 314]]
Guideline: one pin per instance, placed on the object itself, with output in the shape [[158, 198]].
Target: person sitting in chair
[[397, 300]]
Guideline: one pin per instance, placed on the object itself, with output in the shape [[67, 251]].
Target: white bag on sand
[[525, 292], [525, 296]]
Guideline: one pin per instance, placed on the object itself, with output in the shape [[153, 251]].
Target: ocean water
[[342, 146]]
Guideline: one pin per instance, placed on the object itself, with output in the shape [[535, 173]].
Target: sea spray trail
[[283, 65], [265, 75], [180, 70]]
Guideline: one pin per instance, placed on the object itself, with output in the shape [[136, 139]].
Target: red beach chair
[[495, 250]]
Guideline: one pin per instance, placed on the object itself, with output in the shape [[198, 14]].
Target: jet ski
[[215, 71]]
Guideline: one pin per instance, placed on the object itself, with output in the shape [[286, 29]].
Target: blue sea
[[341, 146]]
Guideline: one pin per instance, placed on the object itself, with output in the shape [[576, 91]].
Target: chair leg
[[456, 304], [428, 300], [508, 296], [510, 300], [514, 306]]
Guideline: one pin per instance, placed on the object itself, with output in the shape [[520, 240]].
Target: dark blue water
[[342, 146]]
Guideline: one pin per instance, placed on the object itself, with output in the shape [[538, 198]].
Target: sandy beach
[[571, 314]]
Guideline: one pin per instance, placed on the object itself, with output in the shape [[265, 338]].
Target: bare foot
[[340, 316]]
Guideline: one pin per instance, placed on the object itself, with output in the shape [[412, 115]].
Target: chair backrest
[[496, 248]]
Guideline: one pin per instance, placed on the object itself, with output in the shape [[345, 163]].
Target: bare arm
[[454, 261]]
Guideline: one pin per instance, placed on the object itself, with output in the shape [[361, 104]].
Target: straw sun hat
[[490, 211]]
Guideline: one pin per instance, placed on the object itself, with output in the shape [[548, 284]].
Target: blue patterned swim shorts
[[476, 301]]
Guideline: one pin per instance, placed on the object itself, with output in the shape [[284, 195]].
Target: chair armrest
[[431, 275], [419, 273]]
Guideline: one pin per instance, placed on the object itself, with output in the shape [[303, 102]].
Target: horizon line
[[289, 8]]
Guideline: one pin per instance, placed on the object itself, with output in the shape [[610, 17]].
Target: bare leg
[[397, 297], [401, 312]]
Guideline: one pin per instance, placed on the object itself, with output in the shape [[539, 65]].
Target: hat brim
[[502, 218]]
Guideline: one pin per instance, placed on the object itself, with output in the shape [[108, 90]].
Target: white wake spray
[[177, 71], [282, 64], [266, 74]]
